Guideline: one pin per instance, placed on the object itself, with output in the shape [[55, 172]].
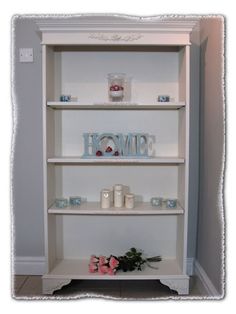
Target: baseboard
[[29, 265], [190, 266], [205, 281]]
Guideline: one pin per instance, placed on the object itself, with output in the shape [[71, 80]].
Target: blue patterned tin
[[75, 201], [163, 98], [156, 201], [171, 203], [61, 202], [65, 98]]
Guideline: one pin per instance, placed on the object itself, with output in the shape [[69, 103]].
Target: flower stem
[[151, 266], [154, 259]]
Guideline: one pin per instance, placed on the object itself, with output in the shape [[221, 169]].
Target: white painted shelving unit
[[77, 56]]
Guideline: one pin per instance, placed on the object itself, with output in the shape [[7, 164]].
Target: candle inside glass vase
[[116, 84]]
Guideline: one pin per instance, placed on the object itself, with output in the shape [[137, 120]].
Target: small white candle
[[129, 200], [118, 195], [105, 198]]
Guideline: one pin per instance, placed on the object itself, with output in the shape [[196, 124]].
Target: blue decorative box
[[65, 98], [61, 202], [171, 203], [163, 98], [75, 201], [156, 201]]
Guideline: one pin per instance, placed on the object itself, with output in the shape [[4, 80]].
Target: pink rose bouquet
[[132, 260]]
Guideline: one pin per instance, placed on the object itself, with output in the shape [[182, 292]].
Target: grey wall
[[28, 162], [209, 248]]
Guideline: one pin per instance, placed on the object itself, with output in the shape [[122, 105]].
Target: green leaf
[[129, 254]]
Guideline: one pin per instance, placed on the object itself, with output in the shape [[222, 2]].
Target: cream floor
[[31, 287]]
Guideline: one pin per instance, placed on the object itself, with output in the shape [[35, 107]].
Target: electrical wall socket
[[26, 55]]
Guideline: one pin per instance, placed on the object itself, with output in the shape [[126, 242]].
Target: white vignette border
[[221, 185]]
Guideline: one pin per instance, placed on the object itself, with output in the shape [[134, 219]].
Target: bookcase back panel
[[80, 237], [145, 182], [162, 127], [83, 74]]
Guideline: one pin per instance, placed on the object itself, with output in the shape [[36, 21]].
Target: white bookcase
[[76, 57]]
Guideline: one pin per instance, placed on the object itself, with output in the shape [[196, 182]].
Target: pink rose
[[102, 260], [113, 263], [93, 259], [111, 271], [102, 269], [92, 268]]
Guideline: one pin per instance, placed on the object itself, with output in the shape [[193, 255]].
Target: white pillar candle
[[118, 195], [129, 200], [105, 198]]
